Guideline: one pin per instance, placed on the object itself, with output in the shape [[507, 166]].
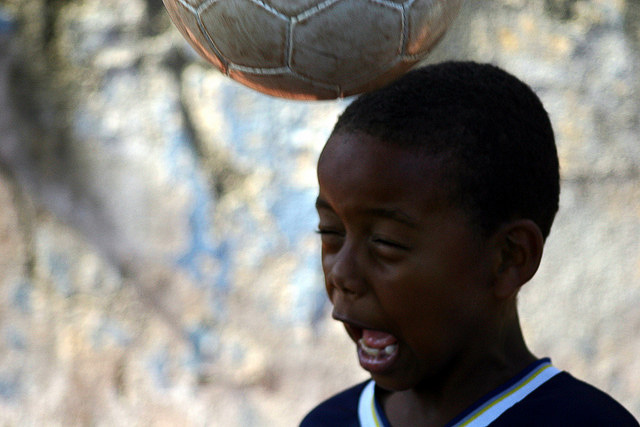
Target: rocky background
[[158, 264]]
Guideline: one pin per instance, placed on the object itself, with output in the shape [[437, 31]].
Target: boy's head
[[435, 195], [489, 129]]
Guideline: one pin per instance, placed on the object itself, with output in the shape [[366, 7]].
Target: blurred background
[[158, 264]]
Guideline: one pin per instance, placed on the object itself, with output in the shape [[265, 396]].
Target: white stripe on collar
[[483, 415], [498, 405], [367, 412]]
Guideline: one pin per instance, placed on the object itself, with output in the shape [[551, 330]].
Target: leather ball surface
[[313, 49]]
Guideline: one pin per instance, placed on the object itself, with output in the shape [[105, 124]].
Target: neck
[[463, 382]]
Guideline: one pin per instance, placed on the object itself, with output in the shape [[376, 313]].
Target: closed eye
[[330, 234], [324, 231], [331, 238], [389, 243]]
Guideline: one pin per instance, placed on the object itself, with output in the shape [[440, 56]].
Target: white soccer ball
[[313, 49]]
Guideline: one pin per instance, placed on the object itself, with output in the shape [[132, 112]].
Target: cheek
[[403, 297], [421, 296]]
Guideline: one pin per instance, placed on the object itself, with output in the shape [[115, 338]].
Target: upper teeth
[[375, 351], [391, 348]]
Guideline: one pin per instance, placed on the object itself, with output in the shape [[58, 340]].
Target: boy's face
[[406, 273]]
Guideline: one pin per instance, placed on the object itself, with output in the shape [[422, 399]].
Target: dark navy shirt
[[558, 399]]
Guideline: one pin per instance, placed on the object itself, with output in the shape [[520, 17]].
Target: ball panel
[[292, 7], [428, 21], [328, 46], [193, 3], [246, 34], [285, 86], [187, 23]]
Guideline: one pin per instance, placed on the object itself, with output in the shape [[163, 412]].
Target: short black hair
[[490, 129]]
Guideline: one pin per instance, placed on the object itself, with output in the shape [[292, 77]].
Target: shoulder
[[567, 401], [339, 410]]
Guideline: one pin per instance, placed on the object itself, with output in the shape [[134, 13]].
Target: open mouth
[[377, 350], [376, 343]]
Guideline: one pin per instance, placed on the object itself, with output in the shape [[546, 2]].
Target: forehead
[[356, 165]]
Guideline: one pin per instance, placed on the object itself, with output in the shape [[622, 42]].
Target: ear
[[520, 245]]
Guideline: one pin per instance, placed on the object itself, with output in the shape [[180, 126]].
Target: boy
[[436, 195]]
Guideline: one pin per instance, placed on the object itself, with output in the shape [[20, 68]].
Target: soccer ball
[[313, 49]]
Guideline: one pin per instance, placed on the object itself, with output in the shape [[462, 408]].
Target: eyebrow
[[388, 213]]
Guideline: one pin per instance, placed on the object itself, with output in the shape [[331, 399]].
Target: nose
[[343, 270]]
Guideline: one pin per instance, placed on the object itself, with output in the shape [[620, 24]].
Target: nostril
[[340, 282], [347, 287], [343, 269]]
